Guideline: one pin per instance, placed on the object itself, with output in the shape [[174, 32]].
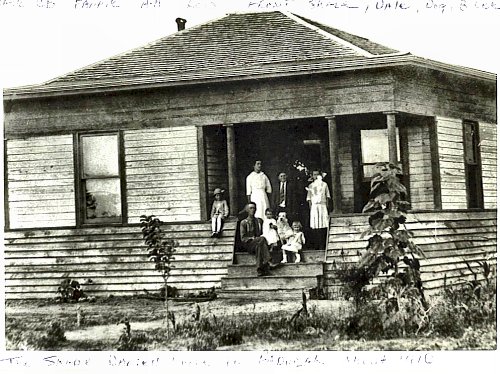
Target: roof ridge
[[144, 46], [322, 32], [335, 30]]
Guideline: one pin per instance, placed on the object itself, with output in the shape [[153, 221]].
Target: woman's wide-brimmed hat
[[218, 190]]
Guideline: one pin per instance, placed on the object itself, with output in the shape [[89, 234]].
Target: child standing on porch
[[219, 213]]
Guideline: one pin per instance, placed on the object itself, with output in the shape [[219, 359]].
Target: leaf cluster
[[70, 290], [160, 249], [389, 241]]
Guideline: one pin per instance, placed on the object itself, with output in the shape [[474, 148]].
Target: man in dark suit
[[284, 197]]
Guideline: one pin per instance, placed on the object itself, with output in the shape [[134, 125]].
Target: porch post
[[334, 164], [202, 171], [391, 132], [231, 170]]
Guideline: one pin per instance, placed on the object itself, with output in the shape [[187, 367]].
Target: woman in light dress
[[318, 195], [258, 187]]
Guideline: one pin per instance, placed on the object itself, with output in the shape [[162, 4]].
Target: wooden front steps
[[243, 258], [285, 281]]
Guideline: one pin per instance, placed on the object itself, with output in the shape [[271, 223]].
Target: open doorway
[[279, 145]]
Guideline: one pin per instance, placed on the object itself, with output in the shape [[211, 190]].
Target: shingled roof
[[236, 46]]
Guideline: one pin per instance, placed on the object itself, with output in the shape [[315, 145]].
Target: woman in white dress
[[258, 188]]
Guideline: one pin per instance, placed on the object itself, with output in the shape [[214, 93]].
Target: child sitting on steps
[[219, 213], [294, 243], [269, 229]]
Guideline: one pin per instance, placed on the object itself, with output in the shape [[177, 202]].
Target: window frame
[[358, 165], [80, 197], [476, 149], [364, 178]]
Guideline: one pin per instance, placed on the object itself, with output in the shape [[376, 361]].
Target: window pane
[[100, 155], [375, 145], [103, 200]]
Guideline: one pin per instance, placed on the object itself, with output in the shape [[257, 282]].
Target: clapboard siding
[[449, 239], [346, 170], [162, 177], [451, 163], [419, 158], [488, 147], [433, 93], [40, 182], [237, 102], [114, 259], [216, 160]]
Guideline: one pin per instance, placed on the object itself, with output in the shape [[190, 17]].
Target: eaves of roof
[[241, 73]]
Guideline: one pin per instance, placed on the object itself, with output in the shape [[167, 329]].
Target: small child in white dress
[[269, 229], [294, 243], [219, 213]]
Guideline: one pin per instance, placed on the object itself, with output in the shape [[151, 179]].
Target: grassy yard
[[217, 324]]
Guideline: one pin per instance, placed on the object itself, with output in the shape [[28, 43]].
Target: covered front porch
[[346, 147]]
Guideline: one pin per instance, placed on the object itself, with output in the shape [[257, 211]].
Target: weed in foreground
[[35, 336], [209, 332], [129, 341]]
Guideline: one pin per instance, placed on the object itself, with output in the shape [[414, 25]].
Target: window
[[100, 180], [374, 149], [472, 165]]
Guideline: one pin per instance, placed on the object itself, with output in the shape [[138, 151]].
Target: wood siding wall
[[488, 147], [433, 93], [346, 169], [419, 158], [451, 163], [40, 182], [216, 159], [447, 238], [161, 167], [198, 105], [112, 260]]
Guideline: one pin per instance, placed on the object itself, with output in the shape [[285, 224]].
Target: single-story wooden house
[[156, 129]]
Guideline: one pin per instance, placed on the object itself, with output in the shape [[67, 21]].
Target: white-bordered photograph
[[250, 176]]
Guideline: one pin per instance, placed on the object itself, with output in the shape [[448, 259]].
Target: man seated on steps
[[253, 242]]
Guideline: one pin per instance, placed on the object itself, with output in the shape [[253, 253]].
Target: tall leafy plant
[[390, 243], [160, 251]]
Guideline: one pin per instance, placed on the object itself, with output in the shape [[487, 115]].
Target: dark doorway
[[279, 145], [215, 144]]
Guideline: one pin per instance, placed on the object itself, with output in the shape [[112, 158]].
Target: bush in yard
[[70, 290], [473, 304], [204, 341], [55, 335], [445, 320], [389, 310], [53, 338], [478, 338]]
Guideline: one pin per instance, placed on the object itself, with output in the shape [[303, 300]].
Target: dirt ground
[[100, 324]]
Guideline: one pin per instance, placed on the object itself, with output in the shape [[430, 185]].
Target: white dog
[[284, 229]]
